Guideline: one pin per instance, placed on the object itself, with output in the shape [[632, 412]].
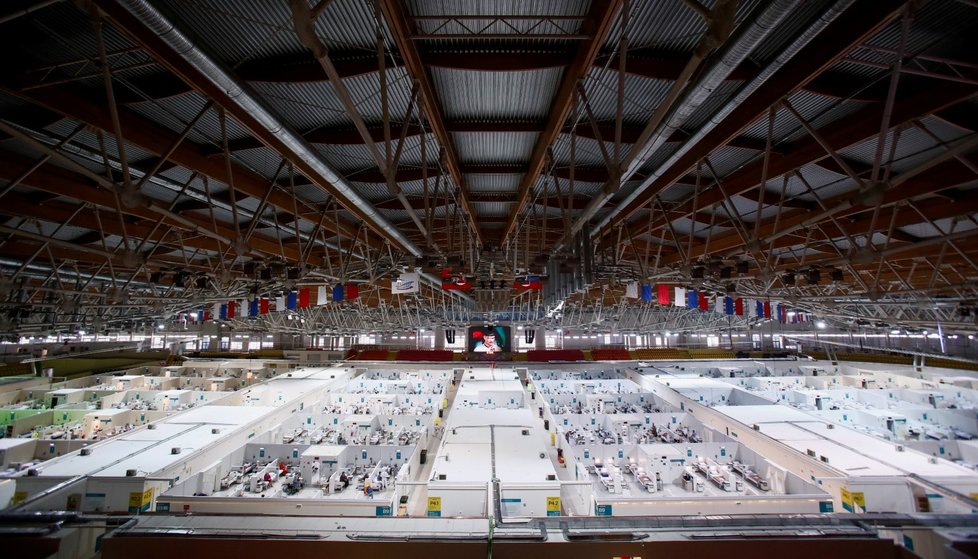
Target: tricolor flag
[[291, 300], [663, 294], [454, 280], [759, 309], [528, 282], [224, 312], [253, 308], [692, 299], [408, 282], [728, 306]]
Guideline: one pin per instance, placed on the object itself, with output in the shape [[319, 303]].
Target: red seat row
[[424, 355], [555, 355]]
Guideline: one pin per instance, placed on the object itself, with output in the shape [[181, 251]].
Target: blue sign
[[826, 506], [602, 510], [383, 511]]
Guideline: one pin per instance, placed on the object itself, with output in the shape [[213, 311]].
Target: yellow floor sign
[[139, 501], [853, 501], [553, 506], [434, 506]]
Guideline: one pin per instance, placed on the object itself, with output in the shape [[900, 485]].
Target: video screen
[[489, 339]]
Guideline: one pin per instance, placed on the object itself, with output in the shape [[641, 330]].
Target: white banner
[[409, 282], [680, 300], [631, 290]]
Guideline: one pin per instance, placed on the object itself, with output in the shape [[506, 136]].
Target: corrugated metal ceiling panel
[[468, 95], [587, 153], [495, 147], [913, 148], [808, 105], [305, 106], [62, 33], [642, 95], [175, 112], [479, 182], [236, 32]]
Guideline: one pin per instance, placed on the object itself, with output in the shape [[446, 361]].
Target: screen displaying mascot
[[489, 339]]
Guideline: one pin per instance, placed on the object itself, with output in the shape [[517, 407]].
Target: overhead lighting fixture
[[821, 325]]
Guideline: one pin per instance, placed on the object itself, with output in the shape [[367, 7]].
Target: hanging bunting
[[646, 292], [663, 294], [680, 299], [631, 290]]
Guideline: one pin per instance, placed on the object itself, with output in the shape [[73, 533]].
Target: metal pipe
[[751, 38], [250, 103]]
